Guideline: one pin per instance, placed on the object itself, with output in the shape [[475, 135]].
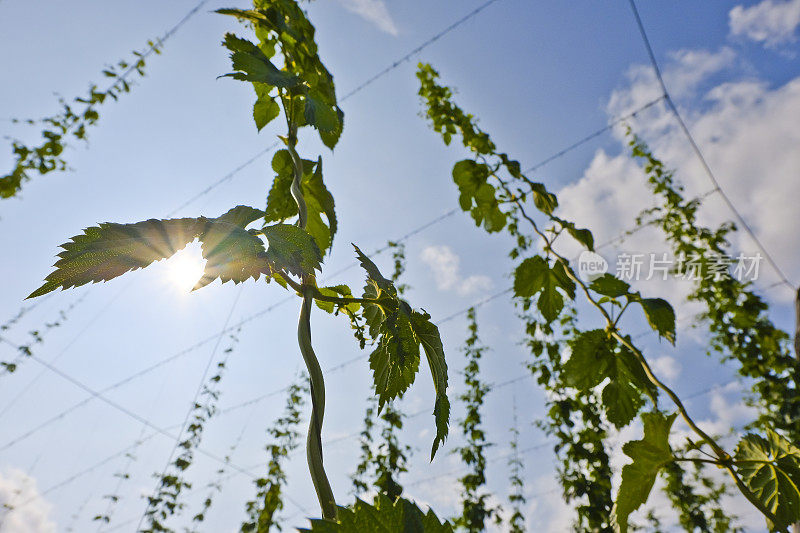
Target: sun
[[185, 268]]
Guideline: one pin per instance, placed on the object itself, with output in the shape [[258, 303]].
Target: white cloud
[[22, 508], [374, 11], [445, 265], [747, 131], [666, 367], [770, 22]]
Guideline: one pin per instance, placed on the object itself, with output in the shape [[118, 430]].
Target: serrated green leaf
[[590, 360], [395, 361], [373, 274], [609, 285], [385, 516], [319, 114], [534, 276], [331, 138], [319, 201], [241, 216], [109, 250], [265, 110], [428, 335], [232, 254], [770, 467], [660, 316], [251, 64], [478, 196], [649, 455], [621, 402], [280, 203], [593, 358], [292, 249], [337, 290]]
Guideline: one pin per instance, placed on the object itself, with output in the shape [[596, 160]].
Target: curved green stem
[[314, 440]]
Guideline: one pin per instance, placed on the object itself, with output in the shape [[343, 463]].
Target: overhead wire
[[696, 149]]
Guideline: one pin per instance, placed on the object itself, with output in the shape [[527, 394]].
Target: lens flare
[[185, 268]]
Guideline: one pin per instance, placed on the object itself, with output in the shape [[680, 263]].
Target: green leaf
[[292, 249], [109, 250], [621, 402], [385, 516], [590, 359], [266, 109], [477, 195], [331, 138], [336, 290], [241, 216], [428, 335], [373, 274], [232, 254], [534, 276], [319, 201], [395, 361], [280, 203], [649, 455], [319, 114], [251, 64], [593, 358], [609, 285], [660, 316], [770, 467]]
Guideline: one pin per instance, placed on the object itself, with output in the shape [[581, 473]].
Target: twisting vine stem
[[314, 440]]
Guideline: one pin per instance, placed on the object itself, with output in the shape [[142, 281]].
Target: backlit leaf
[[649, 455], [660, 316], [770, 467], [292, 249]]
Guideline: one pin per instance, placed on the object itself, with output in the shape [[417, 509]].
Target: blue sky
[[539, 75]]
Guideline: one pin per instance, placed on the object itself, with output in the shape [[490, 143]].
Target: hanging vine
[[71, 123], [737, 318], [301, 89], [492, 186], [516, 496], [574, 418], [262, 510], [476, 511]]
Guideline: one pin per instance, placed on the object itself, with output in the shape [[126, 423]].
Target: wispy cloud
[[374, 11], [445, 265], [22, 508], [770, 22]]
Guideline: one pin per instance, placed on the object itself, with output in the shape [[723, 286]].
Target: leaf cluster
[[385, 516], [302, 84], [737, 318], [70, 123], [285, 433], [475, 508]]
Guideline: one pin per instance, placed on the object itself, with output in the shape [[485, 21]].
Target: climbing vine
[[262, 510], [736, 316], [496, 193], [301, 90], [574, 418], [476, 511], [516, 497], [70, 124]]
